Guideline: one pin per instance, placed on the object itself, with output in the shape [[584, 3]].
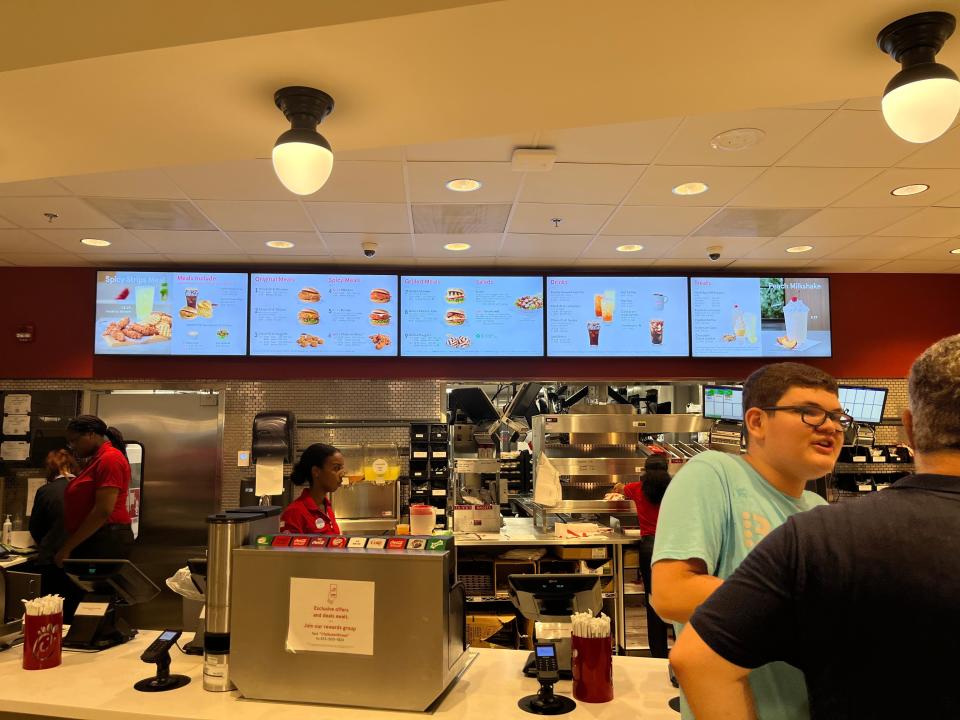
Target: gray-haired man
[[863, 597]]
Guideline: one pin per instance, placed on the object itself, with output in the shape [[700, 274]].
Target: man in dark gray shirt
[[863, 597]]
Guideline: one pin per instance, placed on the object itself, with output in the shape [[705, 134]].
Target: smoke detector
[[533, 159]]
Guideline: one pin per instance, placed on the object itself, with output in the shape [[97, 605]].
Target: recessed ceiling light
[[629, 248], [464, 185], [955, 251], [96, 242], [279, 244], [457, 247], [737, 139], [690, 188], [800, 248], [910, 189]]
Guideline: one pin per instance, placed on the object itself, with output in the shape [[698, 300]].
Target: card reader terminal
[[159, 652], [548, 673]]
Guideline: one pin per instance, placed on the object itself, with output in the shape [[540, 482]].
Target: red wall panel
[[880, 324]]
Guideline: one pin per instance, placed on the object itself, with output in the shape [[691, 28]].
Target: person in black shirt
[[46, 519], [863, 597]]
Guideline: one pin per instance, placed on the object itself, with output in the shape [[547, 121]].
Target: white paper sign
[[16, 425], [96, 609], [14, 450], [33, 484], [333, 616], [16, 404]]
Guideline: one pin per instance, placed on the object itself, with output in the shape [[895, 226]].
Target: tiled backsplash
[[371, 400]]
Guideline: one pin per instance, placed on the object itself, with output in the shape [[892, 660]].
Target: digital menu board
[[723, 402], [471, 316], [313, 315], [617, 316], [171, 313], [760, 317], [863, 404]]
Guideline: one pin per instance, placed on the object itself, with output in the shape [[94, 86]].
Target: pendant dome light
[[922, 100], [302, 158]]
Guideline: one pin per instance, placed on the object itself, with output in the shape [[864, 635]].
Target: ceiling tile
[[801, 186], [940, 251], [535, 266], [754, 222], [605, 246], [777, 247], [359, 217], [255, 243], [119, 260], [73, 212], [427, 182], [657, 220], [390, 154], [122, 241], [256, 216], [783, 129], [944, 152], [4, 263], [864, 103], [850, 138], [878, 247], [212, 260], [919, 266], [825, 105], [536, 218], [22, 242], [481, 245], [536, 247], [748, 264], [4, 223], [148, 214], [129, 184], [390, 245], [490, 149], [840, 222], [234, 180], [58, 259], [372, 182], [876, 192], [188, 242], [630, 143], [33, 188], [657, 183], [460, 218], [472, 261], [695, 248], [928, 223], [951, 201], [614, 266], [705, 264], [582, 184], [833, 265]]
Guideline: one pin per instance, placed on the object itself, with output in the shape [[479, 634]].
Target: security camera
[[714, 251], [369, 248]]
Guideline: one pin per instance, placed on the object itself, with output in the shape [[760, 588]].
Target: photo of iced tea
[[656, 332], [593, 331]]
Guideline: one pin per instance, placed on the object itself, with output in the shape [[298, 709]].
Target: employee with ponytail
[[320, 468], [95, 501]]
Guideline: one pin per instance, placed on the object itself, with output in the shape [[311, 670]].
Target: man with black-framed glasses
[[720, 506]]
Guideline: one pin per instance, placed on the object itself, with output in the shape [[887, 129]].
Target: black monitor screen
[[120, 578], [723, 402], [472, 402]]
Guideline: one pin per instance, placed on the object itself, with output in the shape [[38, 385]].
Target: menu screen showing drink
[[760, 317], [863, 404], [723, 402], [171, 313], [617, 316], [470, 316], [313, 315]]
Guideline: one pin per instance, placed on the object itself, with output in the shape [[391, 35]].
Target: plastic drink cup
[[422, 519], [656, 332], [598, 305], [593, 330], [191, 297], [607, 305], [144, 302], [750, 324]]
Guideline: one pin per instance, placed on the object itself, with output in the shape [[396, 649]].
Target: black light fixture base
[[303, 104], [916, 38]]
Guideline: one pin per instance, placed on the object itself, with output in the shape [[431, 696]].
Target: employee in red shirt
[[647, 495], [95, 501], [321, 468]]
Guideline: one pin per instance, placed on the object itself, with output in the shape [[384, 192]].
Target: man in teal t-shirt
[[719, 506]]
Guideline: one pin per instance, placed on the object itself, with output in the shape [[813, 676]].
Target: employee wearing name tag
[[321, 469]]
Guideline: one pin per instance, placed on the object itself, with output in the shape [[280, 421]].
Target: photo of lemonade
[[607, 304], [750, 327], [144, 302]]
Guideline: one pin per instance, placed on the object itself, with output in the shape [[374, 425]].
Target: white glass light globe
[[922, 110], [302, 167]]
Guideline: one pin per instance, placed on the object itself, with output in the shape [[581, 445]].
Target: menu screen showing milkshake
[[617, 316], [470, 316], [171, 313], [314, 315], [760, 317]]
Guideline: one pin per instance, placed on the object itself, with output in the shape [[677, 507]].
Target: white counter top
[[100, 687]]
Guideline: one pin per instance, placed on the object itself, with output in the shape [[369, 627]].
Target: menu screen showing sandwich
[[315, 315], [171, 313], [471, 316], [617, 316], [760, 317]]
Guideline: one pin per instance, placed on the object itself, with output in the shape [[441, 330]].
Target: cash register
[[724, 403]]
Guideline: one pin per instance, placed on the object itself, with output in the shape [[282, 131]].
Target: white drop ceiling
[[821, 174]]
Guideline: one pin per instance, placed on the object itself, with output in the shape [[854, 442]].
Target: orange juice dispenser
[[369, 498]]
